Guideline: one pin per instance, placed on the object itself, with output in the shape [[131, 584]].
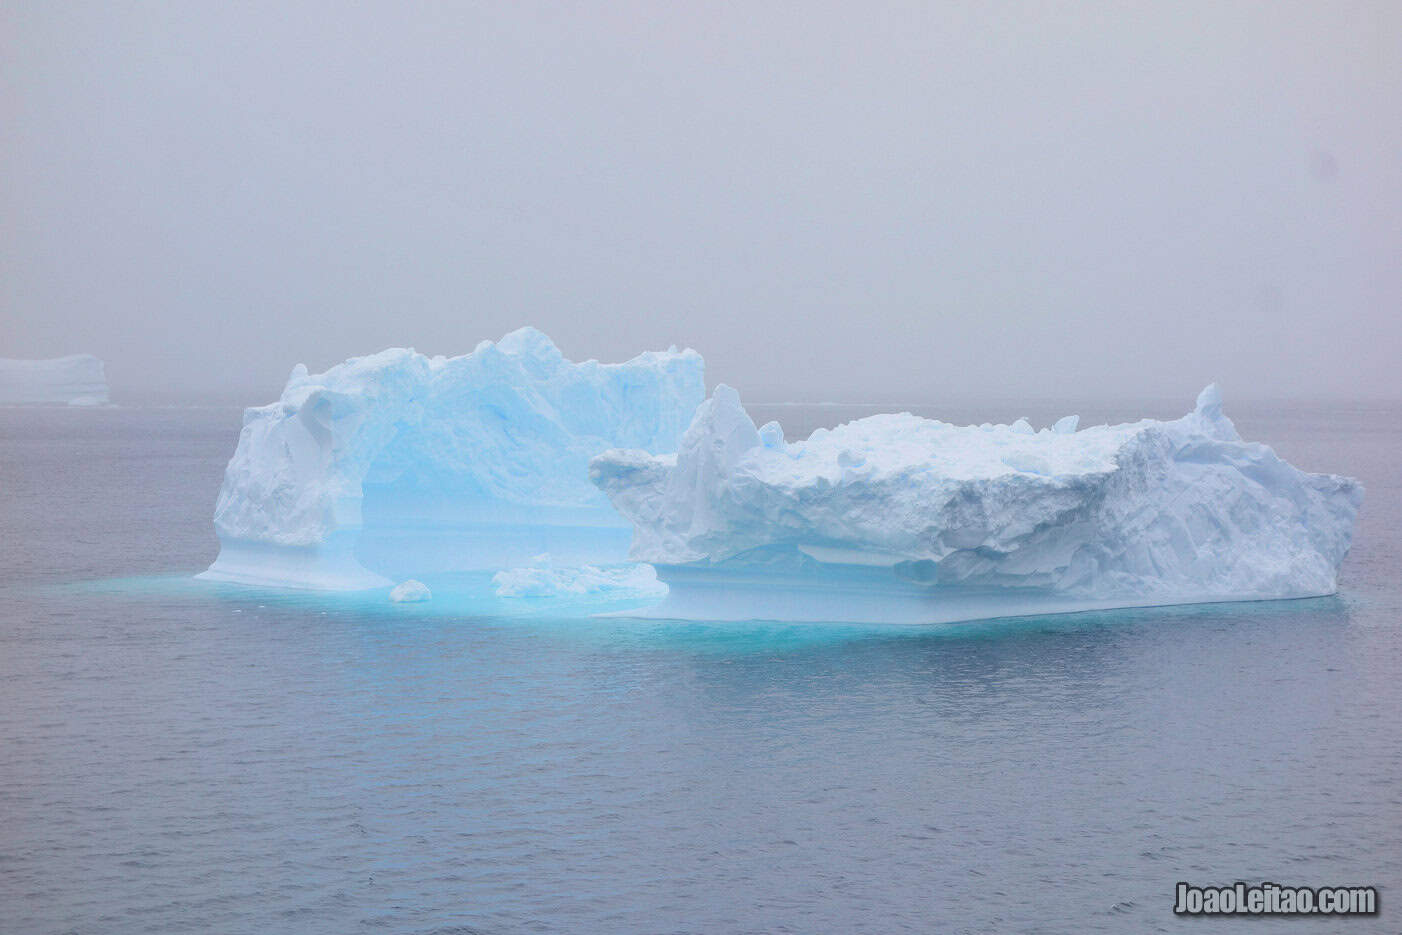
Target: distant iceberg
[[899, 519], [396, 465], [410, 592], [76, 380]]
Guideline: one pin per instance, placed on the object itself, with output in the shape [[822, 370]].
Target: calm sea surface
[[181, 757]]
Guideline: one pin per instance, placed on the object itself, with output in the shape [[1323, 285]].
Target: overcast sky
[[843, 202]]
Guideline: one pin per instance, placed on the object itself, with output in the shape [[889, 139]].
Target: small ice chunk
[[1066, 425], [1022, 427], [410, 592]]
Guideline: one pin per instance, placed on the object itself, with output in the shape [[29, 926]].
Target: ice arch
[[397, 464]]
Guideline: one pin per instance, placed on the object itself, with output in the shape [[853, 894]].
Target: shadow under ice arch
[[397, 464]]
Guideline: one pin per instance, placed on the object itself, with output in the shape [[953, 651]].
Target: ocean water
[[184, 757]]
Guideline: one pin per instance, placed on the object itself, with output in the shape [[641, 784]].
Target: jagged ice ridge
[[895, 518]]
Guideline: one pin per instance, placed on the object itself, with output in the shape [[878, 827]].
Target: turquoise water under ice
[[187, 757]]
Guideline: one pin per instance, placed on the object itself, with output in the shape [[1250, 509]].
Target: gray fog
[[831, 202]]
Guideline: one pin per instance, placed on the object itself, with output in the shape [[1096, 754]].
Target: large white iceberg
[[895, 518], [397, 464], [75, 380]]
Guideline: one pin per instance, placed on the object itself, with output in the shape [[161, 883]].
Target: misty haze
[[831, 203], [699, 467]]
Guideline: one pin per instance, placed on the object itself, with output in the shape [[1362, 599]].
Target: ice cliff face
[[76, 380], [898, 518], [398, 464]]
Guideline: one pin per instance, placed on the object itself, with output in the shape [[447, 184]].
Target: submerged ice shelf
[[396, 464], [898, 519], [542, 578], [75, 380]]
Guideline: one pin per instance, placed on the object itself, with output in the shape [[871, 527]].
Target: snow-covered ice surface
[[397, 465], [895, 518], [75, 380], [543, 578]]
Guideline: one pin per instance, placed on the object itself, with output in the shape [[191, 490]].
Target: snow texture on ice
[[896, 518]]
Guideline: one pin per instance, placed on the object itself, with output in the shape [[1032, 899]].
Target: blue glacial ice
[[397, 464], [898, 519], [75, 380]]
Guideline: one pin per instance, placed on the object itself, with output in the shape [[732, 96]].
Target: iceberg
[[396, 464], [899, 519], [410, 592], [75, 380]]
